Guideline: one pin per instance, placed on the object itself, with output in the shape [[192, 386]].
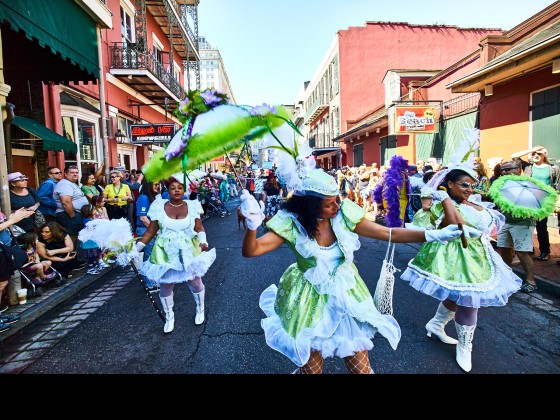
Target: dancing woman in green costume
[[321, 306]]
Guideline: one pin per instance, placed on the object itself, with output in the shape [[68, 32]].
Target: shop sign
[[415, 119], [151, 133]]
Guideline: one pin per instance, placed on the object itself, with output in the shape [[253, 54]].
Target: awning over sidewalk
[[52, 141], [60, 25]]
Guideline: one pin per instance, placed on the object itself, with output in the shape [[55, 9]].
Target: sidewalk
[[51, 297], [547, 273]]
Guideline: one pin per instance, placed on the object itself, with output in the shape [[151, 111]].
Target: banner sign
[[151, 133], [415, 119]]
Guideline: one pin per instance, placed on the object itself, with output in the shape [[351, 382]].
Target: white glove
[[202, 238], [439, 195], [253, 211], [470, 232], [443, 235], [139, 246]]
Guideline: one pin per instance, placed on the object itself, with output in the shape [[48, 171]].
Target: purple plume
[[394, 180]]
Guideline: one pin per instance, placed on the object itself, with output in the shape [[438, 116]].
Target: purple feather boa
[[378, 193], [394, 180]]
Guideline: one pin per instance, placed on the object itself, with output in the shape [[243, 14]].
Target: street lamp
[[120, 136]]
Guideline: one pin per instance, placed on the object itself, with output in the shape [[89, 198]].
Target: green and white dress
[[475, 276], [321, 302], [176, 256]]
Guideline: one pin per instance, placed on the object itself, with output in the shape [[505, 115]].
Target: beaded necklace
[[117, 192]]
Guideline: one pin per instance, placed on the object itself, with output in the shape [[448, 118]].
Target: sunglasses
[[465, 185], [114, 176], [55, 173], [537, 153], [508, 169]]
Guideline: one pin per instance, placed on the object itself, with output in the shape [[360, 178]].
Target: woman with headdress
[[463, 278], [322, 307], [180, 252]]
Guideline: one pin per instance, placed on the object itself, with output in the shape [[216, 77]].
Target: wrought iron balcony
[[137, 68], [316, 108], [321, 141]]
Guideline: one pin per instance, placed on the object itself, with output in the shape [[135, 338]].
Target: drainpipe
[[4, 92], [102, 105]]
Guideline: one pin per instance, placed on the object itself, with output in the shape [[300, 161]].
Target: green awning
[[60, 25], [51, 140]]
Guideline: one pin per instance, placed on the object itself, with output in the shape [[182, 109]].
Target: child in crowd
[[100, 212], [90, 251], [34, 266]]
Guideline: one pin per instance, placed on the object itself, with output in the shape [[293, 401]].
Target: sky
[[271, 47]]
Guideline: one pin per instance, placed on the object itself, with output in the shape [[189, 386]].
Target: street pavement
[[86, 294]]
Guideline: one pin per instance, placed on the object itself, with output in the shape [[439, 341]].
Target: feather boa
[[394, 181], [546, 205]]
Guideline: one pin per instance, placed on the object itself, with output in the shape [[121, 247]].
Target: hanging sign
[[151, 133], [415, 119]]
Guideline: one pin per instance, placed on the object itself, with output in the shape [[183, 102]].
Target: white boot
[[199, 299], [464, 348], [437, 324], [167, 303]]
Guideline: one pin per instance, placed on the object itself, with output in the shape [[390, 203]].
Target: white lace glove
[[202, 238], [253, 211], [470, 232], [439, 195], [139, 246], [442, 235]]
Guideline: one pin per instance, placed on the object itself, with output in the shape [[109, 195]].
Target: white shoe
[[436, 325], [167, 303], [199, 299], [464, 348]]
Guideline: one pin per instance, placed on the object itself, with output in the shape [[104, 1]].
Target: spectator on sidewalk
[[45, 192], [22, 196], [56, 245], [6, 239], [69, 201], [516, 237]]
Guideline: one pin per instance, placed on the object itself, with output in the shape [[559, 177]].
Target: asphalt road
[[122, 333]]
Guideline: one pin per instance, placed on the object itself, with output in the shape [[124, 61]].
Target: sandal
[[528, 287]]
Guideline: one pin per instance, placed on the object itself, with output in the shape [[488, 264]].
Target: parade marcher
[[180, 252], [462, 278], [321, 307]]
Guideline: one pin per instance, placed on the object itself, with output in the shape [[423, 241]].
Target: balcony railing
[[134, 57], [322, 140], [316, 108]]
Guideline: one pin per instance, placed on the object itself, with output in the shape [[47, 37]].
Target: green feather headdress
[[545, 206], [212, 127]]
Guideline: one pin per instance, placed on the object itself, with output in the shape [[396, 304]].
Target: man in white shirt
[[69, 200]]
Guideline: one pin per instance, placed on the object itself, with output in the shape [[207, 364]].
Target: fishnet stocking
[[313, 366], [358, 363]]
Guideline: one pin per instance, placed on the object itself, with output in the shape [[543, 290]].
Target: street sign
[[151, 133]]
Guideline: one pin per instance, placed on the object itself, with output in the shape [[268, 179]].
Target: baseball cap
[[16, 176]]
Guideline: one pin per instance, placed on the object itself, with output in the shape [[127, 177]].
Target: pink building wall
[[367, 52]]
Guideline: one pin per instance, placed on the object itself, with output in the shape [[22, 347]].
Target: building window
[[126, 26], [82, 130]]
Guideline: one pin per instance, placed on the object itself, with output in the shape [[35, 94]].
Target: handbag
[[39, 219], [383, 296]]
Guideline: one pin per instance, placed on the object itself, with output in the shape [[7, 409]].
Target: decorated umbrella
[[523, 196]]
